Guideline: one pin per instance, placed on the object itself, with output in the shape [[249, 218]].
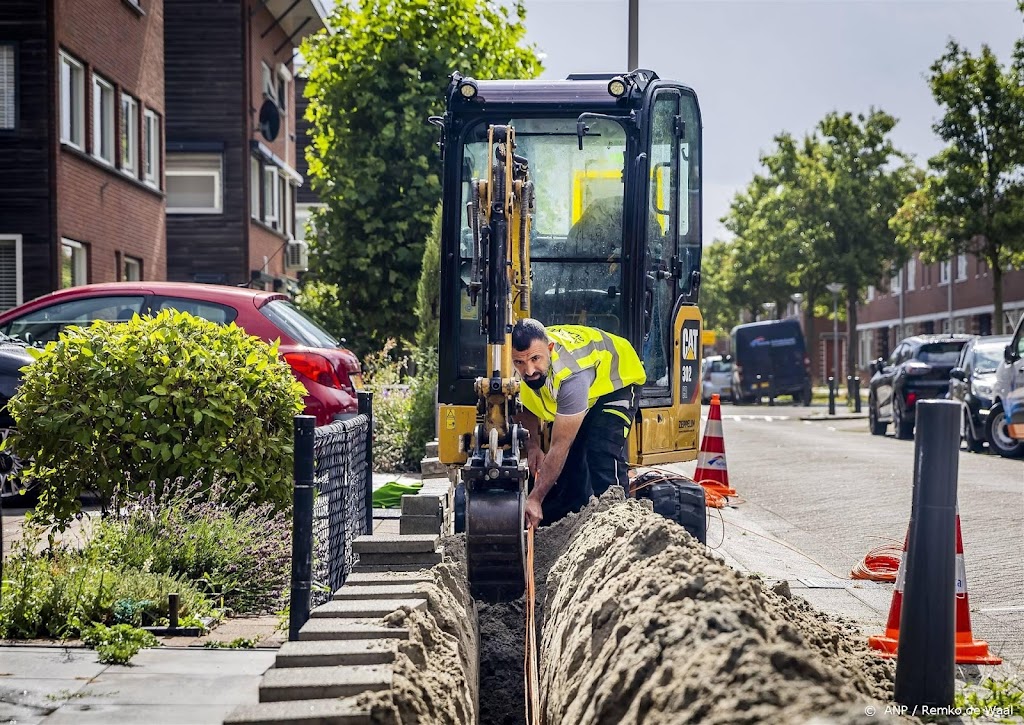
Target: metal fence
[[333, 506]]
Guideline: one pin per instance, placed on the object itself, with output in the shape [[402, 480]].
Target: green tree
[[972, 200], [372, 85]]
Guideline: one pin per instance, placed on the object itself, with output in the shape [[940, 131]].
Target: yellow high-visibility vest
[[577, 348]]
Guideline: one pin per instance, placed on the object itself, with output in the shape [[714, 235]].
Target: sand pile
[[641, 625], [435, 670]]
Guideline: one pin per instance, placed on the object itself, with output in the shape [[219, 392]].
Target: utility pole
[[634, 34]]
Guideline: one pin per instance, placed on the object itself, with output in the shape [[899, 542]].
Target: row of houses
[[942, 297], [150, 140]]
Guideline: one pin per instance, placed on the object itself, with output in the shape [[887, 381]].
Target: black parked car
[[13, 357], [918, 369], [972, 382]]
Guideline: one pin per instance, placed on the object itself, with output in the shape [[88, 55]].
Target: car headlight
[[982, 391]]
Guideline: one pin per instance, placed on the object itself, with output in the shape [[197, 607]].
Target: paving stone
[[431, 449], [394, 544], [380, 591], [414, 525], [324, 653], [334, 711], [364, 608], [420, 504], [386, 561], [321, 628], [313, 683], [432, 467], [387, 578], [389, 568]]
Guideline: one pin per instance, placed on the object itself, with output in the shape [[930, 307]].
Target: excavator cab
[[573, 202]]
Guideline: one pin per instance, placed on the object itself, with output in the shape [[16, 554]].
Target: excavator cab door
[[668, 202]]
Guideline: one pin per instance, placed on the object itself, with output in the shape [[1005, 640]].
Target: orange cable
[[880, 564], [530, 663]]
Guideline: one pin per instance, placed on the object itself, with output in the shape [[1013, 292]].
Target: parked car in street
[[717, 377], [770, 359], [971, 383], [13, 357], [1005, 427], [917, 369], [330, 372]]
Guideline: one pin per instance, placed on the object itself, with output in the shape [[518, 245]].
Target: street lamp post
[[835, 288]]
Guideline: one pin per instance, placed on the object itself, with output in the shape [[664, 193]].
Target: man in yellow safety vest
[[586, 382]]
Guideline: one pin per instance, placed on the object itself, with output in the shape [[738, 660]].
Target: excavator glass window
[[576, 240]]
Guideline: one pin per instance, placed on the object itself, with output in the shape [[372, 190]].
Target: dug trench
[[638, 624]]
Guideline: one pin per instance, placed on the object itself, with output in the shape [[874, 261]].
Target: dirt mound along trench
[[435, 670], [642, 625]]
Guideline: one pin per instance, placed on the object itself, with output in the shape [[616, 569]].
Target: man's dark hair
[[525, 332]]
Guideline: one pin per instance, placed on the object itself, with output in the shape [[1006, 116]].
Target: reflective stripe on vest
[[577, 348]]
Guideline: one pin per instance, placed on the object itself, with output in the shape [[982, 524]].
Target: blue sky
[[763, 66]]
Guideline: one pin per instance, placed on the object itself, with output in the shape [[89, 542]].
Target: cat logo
[[691, 339]]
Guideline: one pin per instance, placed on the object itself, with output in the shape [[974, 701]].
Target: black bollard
[[856, 393], [302, 525], [925, 665], [831, 396], [757, 387]]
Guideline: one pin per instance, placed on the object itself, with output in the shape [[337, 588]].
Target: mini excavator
[[573, 202]]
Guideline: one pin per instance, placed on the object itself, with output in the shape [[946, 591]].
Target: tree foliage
[[972, 200], [115, 406], [372, 85]]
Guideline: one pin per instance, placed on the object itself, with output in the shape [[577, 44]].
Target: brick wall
[[262, 51], [101, 206], [265, 242]]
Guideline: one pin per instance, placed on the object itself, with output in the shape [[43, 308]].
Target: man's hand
[[534, 512]]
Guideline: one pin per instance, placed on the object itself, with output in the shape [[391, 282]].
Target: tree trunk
[[810, 338], [997, 298], [852, 295]]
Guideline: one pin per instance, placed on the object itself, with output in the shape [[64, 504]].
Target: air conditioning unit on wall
[[296, 256]]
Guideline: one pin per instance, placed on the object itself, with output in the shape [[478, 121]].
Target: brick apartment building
[[81, 129], [231, 139], [953, 296]]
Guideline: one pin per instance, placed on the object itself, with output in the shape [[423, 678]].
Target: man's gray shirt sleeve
[[574, 392]]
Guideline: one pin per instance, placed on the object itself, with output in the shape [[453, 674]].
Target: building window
[[152, 146], [254, 187], [961, 267], [72, 101], [194, 184], [131, 269], [870, 292], [911, 275], [269, 86], [960, 325], [74, 269], [896, 283], [102, 120], [10, 271], [8, 87], [271, 197], [945, 268], [129, 135]]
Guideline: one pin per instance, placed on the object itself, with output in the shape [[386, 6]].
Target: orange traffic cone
[[969, 651], [712, 472], [887, 643]]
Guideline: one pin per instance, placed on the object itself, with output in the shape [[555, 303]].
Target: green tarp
[[389, 496]]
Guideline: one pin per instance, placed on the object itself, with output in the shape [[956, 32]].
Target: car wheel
[[877, 427], [14, 488], [999, 439], [974, 445], [904, 430]]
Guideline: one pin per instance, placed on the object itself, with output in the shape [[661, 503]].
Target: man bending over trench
[[586, 383]]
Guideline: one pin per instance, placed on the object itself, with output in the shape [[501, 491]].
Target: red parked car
[[330, 372]]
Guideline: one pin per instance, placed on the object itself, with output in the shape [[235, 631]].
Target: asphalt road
[[836, 492]]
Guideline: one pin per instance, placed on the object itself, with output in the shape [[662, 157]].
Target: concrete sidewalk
[[165, 686]]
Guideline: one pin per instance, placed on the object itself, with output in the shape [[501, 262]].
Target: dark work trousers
[[597, 458]]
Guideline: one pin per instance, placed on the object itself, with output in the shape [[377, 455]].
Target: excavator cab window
[[577, 237]]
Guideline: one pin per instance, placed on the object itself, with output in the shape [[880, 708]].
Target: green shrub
[[120, 404], [118, 644], [423, 405], [60, 592], [239, 552], [385, 377]]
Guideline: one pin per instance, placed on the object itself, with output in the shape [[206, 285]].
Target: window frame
[[15, 86], [79, 264], [150, 161], [961, 268], [19, 276], [75, 121], [196, 170], [255, 188], [945, 271], [104, 131], [126, 262], [129, 126], [272, 204]]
